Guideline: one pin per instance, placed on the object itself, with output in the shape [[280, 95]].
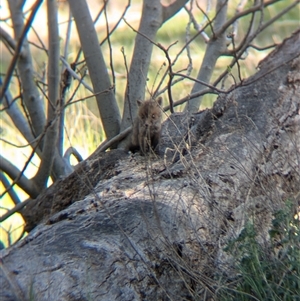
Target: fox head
[[150, 113]]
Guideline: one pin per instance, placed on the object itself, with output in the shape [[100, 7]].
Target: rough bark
[[145, 228]]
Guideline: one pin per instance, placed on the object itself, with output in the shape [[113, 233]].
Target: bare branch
[[75, 75], [107, 103], [118, 22], [212, 87], [214, 49], [20, 122], [72, 151], [18, 177], [109, 47], [151, 21], [18, 49], [10, 212], [50, 143], [15, 198], [66, 81], [107, 144], [127, 86], [242, 14], [4, 36], [170, 10], [283, 12], [249, 38], [262, 48], [234, 53], [34, 107], [209, 22]]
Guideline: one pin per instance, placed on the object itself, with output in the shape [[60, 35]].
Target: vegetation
[[269, 269]]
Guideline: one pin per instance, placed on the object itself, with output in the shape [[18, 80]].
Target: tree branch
[[18, 49], [20, 122], [11, 42], [170, 10], [10, 212], [242, 14], [31, 96], [107, 103], [151, 21], [214, 49], [50, 143], [18, 177], [65, 84], [15, 198]]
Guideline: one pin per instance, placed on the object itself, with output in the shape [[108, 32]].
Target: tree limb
[[107, 104], [13, 195], [242, 14], [30, 93], [17, 208], [18, 49], [214, 49], [20, 121], [11, 42], [151, 21], [18, 177], [170, 10], [50, 143]]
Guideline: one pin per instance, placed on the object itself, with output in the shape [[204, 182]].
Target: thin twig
[[11, 43], [187, 37], [18, 49], [165, 50], [207, 17], [87, 97], [154, 94], [263, 48], [15, 181], [212, 87], [128, 86], [13, 195], [75, 75], [75, 90], [20, 146], [106, 144], [109, 47], [237, 61], [242, 14], [17, 208], [118, 22]]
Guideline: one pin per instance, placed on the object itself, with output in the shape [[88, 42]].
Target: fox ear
[[139, 102], [159, 100]]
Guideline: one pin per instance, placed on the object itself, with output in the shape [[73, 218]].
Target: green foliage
[[269, 272]]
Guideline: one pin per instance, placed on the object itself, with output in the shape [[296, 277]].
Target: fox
[[146, 129]]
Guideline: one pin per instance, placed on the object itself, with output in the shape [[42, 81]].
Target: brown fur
[[147, 126]]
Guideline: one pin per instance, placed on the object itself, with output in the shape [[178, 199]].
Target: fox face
[[150, 115], [147, 126]]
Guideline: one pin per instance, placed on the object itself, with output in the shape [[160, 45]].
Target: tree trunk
[[125, 227]]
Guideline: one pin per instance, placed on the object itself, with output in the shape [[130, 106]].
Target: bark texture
[[128, 227]]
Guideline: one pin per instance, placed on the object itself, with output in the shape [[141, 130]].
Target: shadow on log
[[127, 227]]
